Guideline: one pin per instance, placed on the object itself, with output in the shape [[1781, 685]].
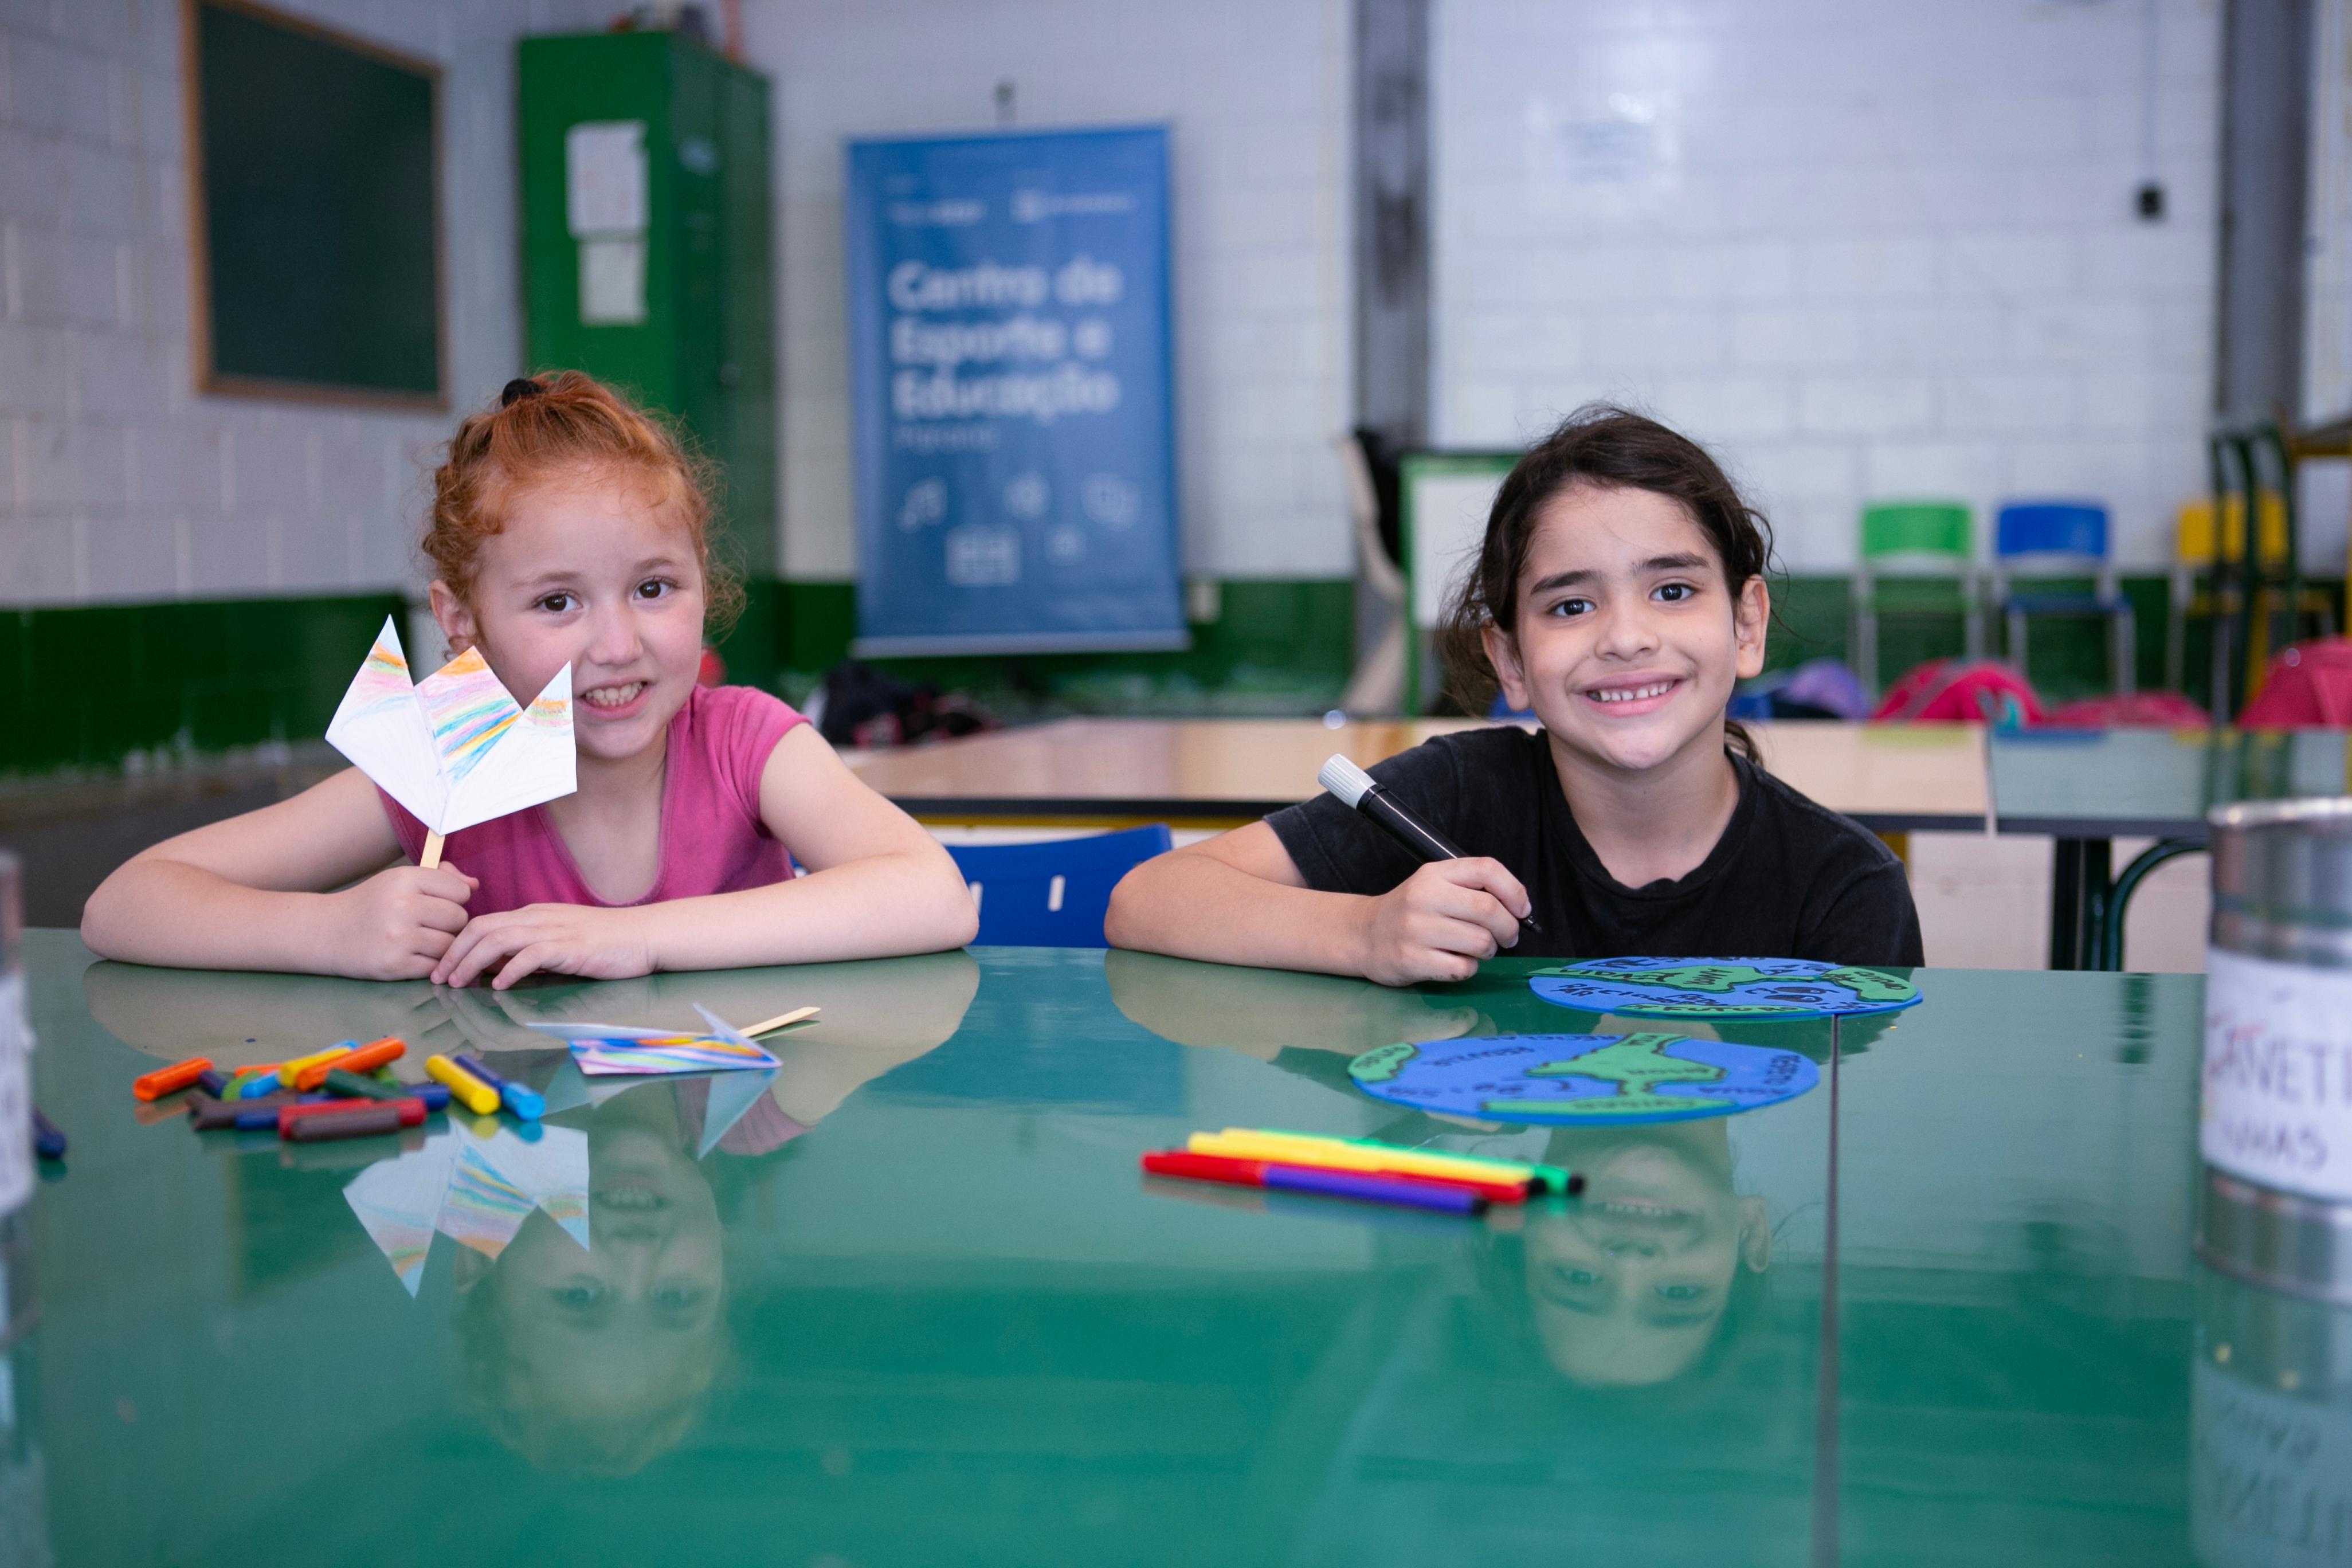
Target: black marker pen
[[1354, 787]]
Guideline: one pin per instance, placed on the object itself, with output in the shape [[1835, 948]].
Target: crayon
[[291, 1071], [340, 1155], [523, 1102], [1363, 1186], [255, 1088], [434, 1096], [375, 1054], [351, 1086], [212, 1083], [208, 1113], [1350, 1154], [464, 1086], [48, 1141], [411, 1112], [171, 1080], [252, 1118], [370, 1122]]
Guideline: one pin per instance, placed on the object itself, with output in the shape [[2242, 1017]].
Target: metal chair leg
[[2111, 919]]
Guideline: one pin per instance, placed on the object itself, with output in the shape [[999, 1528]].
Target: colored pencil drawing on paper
[[610, 1049], [455, 749]]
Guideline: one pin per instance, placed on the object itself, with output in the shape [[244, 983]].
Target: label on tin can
[[2278, 1103]]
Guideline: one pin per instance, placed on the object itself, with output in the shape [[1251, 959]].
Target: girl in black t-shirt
[[1620, 594]]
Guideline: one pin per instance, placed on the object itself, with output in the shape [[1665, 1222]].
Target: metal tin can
[[2275, 1104]]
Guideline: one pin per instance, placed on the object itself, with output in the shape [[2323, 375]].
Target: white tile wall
[[1861, 247], [119, 481], [1255, 98]]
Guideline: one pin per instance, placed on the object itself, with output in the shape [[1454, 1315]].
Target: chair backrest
[[2053, 528], [1053, 894], [1917, 528], [2192, 538]]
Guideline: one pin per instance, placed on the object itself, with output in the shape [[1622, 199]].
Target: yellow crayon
[[464, 1086], [289, 1072], [1297, 1150]]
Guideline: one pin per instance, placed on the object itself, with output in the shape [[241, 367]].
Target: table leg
[[2081, 879]]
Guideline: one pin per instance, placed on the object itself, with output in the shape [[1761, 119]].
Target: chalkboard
[[315, 211]]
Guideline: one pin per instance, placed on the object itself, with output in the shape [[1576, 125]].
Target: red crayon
[[173, 1078], [1246, 1174], [411, 1112]]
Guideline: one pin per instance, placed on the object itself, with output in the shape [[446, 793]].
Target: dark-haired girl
[[1620, 594]]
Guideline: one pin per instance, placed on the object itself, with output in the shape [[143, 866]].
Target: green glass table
[[909, 1302], [2086, 788]]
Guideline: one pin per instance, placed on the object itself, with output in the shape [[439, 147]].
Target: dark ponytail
[[1599, 445]]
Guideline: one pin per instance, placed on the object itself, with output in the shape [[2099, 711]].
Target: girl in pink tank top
[[567, 528]]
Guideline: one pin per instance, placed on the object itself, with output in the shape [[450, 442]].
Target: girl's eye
[[578, 1296], [1675, 593], [1572, 607], [653, 588], [557, 604], [1680, 1292]]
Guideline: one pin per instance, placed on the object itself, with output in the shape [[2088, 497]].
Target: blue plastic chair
[[1056, 894], [2060, 538]]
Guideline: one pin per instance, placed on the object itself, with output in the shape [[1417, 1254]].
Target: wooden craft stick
[[432, 856], [779, 1021]]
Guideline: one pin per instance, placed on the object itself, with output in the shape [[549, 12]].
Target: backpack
[[2306, 687], [1960, 690]]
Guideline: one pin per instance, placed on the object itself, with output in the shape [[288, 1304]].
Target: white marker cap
[[1344, 779]]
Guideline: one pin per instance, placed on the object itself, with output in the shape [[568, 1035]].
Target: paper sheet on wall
[[455, 749], [605, 178]]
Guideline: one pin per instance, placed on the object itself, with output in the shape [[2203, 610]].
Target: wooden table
[[1222, 771]]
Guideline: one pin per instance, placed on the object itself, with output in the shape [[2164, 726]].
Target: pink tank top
[[712, 840]]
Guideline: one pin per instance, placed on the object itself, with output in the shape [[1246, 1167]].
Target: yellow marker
[[1294, 1150], [289, 1072], [464, 1086]]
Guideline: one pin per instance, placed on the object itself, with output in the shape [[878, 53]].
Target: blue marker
[[48, 1141], [524, 1102], [255, 1088]]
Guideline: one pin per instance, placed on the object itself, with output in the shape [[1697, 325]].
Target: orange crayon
[[371, 1055], [171, 1080]]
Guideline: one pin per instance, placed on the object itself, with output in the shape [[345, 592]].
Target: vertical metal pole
[[1392, 218], [2266, 51]]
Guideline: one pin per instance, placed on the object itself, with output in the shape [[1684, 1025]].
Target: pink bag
[[2140, 710], [2306, 687], [1960, 691]]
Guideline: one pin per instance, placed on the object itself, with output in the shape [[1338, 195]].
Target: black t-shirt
[[1788, 878]]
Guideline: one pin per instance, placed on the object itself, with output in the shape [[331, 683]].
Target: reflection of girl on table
[[566, 529], [1620, 594]]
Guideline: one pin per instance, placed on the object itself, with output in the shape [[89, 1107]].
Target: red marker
[[171, 1080], [411, 1110]]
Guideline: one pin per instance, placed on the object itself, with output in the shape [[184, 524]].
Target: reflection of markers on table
[[1362, 1186], [1356, 789]]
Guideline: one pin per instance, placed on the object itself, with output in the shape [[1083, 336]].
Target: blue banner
[[1010, 377]]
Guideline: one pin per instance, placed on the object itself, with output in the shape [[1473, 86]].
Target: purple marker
[[1372, 1189]]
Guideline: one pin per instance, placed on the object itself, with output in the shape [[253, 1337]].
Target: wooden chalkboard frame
[[209, 379]]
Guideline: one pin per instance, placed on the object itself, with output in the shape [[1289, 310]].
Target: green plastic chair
[[1913, 539]]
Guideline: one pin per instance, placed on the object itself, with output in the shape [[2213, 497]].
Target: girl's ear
[[1503, 653], [1750, 616], [456, 622]]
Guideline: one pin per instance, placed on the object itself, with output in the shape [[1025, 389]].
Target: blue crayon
[[524, 1102], [212, 1083], [261, 1117], [48, 1141], [255, 1088]]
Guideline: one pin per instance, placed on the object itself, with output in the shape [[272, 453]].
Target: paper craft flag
[[454, 748], [606, 1049]]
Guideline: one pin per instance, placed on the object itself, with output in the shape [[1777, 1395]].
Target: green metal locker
[[647, 263]]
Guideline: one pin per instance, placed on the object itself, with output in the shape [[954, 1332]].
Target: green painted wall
[[88, 686]]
